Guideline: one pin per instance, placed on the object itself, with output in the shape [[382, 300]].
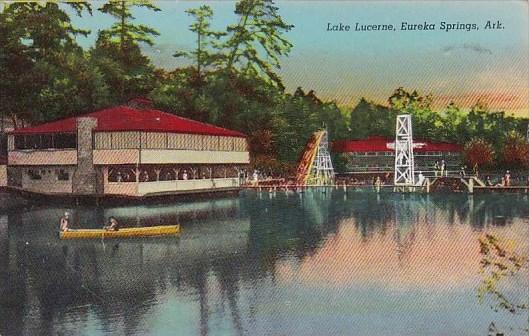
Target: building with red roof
[[131, 150], [376, 154]]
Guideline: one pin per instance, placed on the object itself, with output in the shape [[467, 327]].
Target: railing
[[43, 157], [153, 187], [156, 187]]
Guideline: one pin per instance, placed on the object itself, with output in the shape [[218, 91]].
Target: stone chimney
[[84, 179]]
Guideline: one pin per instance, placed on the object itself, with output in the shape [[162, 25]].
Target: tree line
[[232, 80]]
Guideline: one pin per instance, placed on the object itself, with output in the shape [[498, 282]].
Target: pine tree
[[207, 39], [118, 52], [260, 28]]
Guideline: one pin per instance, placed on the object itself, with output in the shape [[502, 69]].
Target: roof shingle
[[125, 118]]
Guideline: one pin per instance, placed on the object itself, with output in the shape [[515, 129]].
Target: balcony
[[54, 157]]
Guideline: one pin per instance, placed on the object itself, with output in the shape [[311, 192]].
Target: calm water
[[263, 264]]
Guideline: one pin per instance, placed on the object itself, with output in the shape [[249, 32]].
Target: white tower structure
[[322, 171], [404, 163]]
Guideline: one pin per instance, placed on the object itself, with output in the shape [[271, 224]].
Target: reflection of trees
[[289, 224], [13, 291], [118, 282], [224, 246]]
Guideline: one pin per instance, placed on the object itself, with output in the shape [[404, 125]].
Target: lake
[[326, 262]]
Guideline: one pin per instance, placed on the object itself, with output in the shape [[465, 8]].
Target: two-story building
[[377, 154], [131, 150]]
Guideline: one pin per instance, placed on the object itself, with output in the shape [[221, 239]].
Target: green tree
[[450, 123], [40, 48], [425, 121], [118, 54], [370, 119], [256, 43], [16, 86], [207, 39]]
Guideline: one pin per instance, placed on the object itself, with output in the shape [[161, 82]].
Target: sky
[[460, 66]]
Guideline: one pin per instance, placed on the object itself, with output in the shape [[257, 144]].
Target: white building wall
[[193, 157], [49, 183]]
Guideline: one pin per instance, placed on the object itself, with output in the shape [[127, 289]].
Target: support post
[[404, 161]]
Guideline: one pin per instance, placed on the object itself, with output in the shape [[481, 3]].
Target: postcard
[[264, 167]]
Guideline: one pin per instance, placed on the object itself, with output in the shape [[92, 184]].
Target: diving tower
[[404, 162]]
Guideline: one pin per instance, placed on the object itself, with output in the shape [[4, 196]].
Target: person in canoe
[[113, 224], [65, 222]]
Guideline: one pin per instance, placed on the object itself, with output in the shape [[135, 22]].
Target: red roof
[[381, 144], [125, 118]]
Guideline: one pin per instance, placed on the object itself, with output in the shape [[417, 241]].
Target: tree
[[15, 65], [260, 30], [515, 150], [450, 124], [118, 54], [206, 39], [478, 152], [370, 119], [425, 121], [38, 48]]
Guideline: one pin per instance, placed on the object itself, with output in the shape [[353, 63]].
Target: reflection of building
[[376, 154], [128, 279], [125, 150]]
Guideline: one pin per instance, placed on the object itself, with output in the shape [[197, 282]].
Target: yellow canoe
[[121, 233]]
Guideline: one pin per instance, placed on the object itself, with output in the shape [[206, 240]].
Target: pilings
[[470, 185]]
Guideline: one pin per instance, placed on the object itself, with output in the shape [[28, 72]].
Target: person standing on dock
[[420, 179], [436, 168], [65, 222], [462, 172], [507, 178], [443, 168]]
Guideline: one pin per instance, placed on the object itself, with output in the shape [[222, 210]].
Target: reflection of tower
[[407, 214], [404, 163]]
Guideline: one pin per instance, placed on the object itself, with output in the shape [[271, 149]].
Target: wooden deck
[[99, 199]]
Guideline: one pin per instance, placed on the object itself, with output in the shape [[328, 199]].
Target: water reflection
[[259, 264]]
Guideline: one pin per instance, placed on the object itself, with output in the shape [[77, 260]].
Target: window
[[64, 141], [20, 142], [46, 141], [34, 175], [62, 175]]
